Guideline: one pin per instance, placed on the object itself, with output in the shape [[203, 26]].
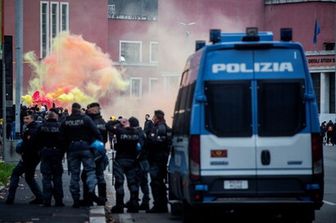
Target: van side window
[[182, 111], [228, 108], [177, 119], [281, 107], [188, 104]]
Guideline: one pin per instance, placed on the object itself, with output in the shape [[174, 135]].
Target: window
[[64, 16], [54, 20], [281, 107], [317, 88], [111, 11], [228, 108], [136, 87], [141, 10], [54, 17], [44, 26], [131, 51], [329, 45], [154, 52], [182, 113], [153, 82]]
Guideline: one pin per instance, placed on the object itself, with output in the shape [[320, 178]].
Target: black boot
[[47, 203], [10, 197], [97, 200], [9, 200], [133, 206], [36, 201], [76, 204], [158, 208], [87, 201], [144, 206], [102, 191], [59, 202], [119, 207]]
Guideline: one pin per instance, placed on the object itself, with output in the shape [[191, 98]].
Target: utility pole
[[19, 62], [335, 55], [4, 104], [3, 87]]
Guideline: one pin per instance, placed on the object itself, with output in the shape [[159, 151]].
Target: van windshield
[[228, 108]]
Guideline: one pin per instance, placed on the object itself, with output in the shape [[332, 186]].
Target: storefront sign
[[321, 60]]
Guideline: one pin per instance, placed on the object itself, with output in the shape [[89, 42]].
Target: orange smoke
[[75, 70]]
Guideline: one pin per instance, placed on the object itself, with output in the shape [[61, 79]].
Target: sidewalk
[[22, 211]]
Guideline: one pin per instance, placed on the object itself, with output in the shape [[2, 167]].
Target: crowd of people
[[328, 133], [48, 136]]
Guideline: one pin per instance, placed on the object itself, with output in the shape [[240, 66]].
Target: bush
[[5, 172]]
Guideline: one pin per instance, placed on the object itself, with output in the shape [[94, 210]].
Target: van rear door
[[228, 156], [283, 143]]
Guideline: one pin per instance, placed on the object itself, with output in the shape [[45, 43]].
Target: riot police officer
[[127, 140], [143, 163], [80, 131], [29, 160], [157, 143], [101, 160], [148, 125], [51, 143]]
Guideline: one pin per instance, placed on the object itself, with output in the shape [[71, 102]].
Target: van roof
[[238, 37]]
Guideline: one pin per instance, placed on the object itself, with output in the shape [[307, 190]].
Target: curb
[[97, 214]]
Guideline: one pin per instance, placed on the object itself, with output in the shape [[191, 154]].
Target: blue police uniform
[[158, 152], [125, 164], [80, 131], [101, 162], [51, 143], [27, 165]]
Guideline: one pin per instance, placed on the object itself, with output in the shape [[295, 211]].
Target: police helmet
[[134, 122], [98, 146]]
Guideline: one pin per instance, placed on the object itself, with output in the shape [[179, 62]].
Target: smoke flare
[[75, 70]]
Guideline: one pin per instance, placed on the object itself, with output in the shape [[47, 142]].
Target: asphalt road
[[327, 214]]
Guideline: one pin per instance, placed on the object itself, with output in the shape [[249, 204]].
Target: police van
[[246, 129]]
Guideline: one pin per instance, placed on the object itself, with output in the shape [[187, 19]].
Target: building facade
[[149, 40], [314, 25]]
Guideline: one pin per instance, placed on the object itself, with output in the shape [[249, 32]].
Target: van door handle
[[179, 139], [265, 157]]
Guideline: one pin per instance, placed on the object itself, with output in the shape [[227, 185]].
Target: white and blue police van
[[246, 130]]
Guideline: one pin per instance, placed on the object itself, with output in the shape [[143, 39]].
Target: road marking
[[330, 203]]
